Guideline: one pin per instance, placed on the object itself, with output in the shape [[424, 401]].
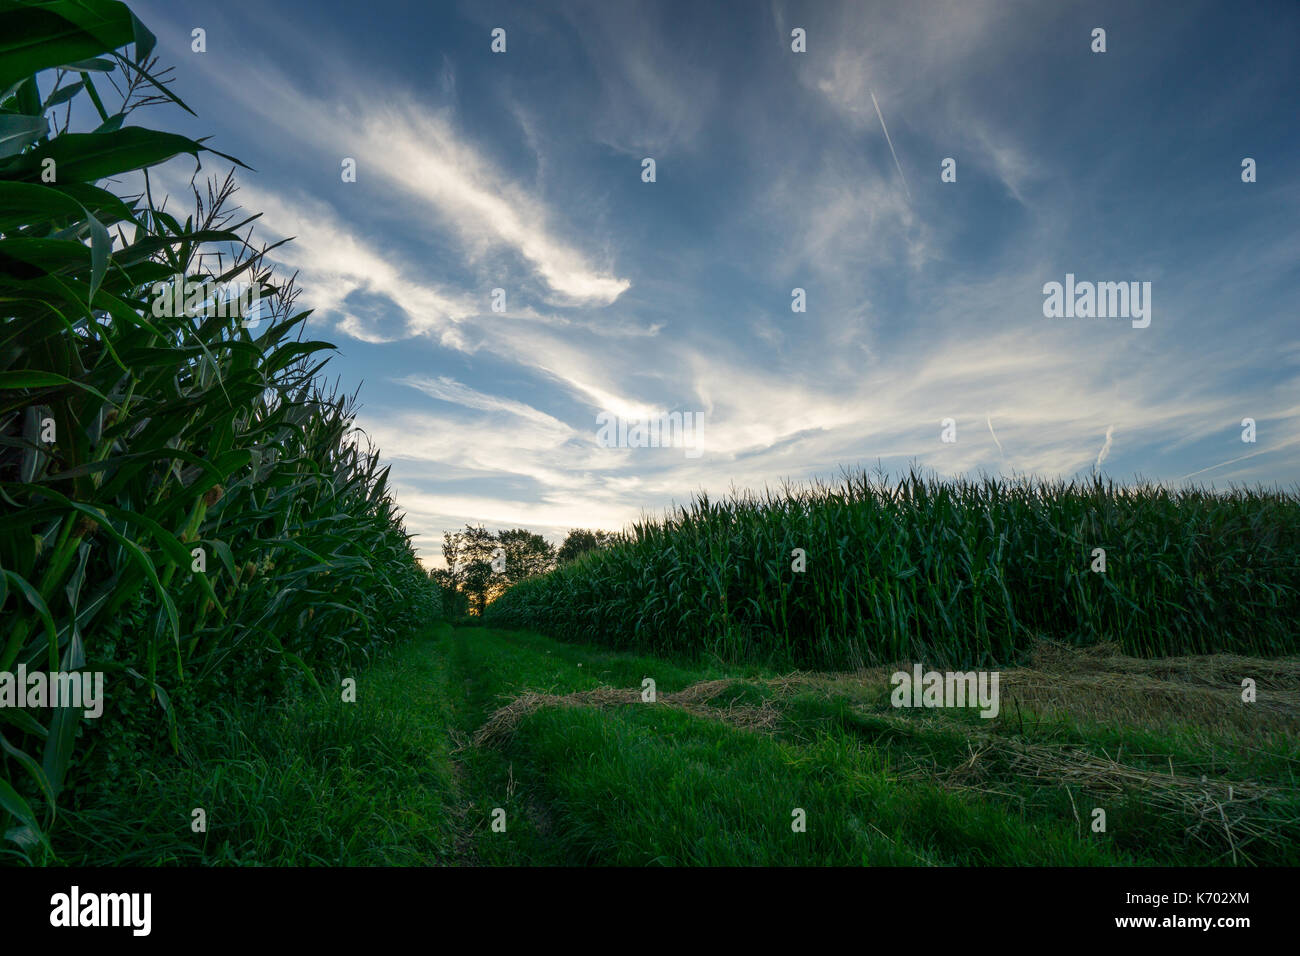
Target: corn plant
[[185, 508], [960, 572]]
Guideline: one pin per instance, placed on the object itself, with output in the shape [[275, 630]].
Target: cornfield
[[957, 572], [184, 507]]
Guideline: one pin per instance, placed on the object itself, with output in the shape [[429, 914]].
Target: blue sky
[[523, 171]]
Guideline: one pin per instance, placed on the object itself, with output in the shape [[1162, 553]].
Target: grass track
[[396, 778], [644, 784]]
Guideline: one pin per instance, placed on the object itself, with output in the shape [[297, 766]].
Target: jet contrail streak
[[1262, 451], [891, 147], [989, 419]]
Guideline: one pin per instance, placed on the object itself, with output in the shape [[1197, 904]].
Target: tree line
[[482, 564]]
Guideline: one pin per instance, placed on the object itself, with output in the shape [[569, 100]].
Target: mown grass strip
[[591, 775]]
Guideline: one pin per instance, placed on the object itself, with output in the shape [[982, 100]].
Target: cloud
[[449, 390], [335, 261], [1105, 449], [424, 159], [656, 89], [419, 153], [678, 299]]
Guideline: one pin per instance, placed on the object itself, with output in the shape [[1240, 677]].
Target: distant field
[[951, 572], [457, 724]]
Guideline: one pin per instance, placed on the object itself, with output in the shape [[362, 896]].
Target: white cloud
[[1105, 449], [848, 383], [422, 158]]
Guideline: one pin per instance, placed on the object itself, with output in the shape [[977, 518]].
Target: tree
[[451, 545], [526, 554], [455, 603], [477, 584], [469, 555], [481, 565], [581, 541]]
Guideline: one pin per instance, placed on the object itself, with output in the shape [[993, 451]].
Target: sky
[[774, 171]]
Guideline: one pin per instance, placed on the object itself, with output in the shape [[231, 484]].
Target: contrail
[[891, 147], [989, 419], [1105, 450], [1261, 451]]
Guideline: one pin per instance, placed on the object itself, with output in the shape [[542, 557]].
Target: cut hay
[[1094, 684], [1224, 815], [695, 699]]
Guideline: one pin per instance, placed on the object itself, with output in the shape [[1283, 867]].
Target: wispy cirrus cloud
[[423, 159], [521, 171]]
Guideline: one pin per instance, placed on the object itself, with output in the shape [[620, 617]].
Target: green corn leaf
[[35, 379], [93, 156], [111, 124], [23, 721], [31, 766], [143, 39], [100, 247], [17, 132], [29, 830], [92, 65], [35, 38], [132, 550], [61, 96], [24, 203], [164, 702], [33, 597]]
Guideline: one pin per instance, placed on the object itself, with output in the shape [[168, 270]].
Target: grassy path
[[610, 779], [458, 723]]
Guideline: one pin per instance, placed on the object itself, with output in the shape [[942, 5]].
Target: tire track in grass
[[489, 781]]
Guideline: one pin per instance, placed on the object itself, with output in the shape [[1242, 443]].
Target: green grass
[[396, 779], [304, 782], [953, 572], [645, 784]]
